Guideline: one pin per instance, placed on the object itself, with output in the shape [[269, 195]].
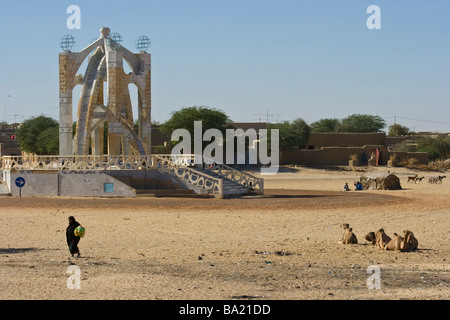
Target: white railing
[[253, 183], [76, 163], [182, 170]]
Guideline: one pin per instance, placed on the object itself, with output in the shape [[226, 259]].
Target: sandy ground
[[283, 245]]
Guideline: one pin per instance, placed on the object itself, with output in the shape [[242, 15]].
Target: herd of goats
[[434, 180], [405, 243]]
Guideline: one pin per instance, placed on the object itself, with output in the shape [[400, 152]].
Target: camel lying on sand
[[410, 242], [348, 237], [371, 238], [406, 243], [382, 239], [395, 243], [379, 238]]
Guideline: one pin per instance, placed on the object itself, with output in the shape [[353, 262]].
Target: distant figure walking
[[72, 239]]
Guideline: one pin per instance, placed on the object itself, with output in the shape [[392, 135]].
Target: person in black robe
[[72, 239]]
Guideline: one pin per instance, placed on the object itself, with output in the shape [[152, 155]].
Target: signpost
[[20, 183]]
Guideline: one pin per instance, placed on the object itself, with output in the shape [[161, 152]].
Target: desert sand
[[282, 245]]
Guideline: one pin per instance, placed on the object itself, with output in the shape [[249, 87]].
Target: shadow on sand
[[288, 196], [17, 250]]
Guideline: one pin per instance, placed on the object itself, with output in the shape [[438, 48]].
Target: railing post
[[154, 161], [220, 188]]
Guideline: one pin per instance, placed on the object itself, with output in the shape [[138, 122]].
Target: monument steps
[[165, 193], [230, 187]]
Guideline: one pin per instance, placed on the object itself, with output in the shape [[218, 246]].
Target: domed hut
[[447, 164], [380, 181]]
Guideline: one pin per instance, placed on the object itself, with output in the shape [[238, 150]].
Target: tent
[[380, 181]]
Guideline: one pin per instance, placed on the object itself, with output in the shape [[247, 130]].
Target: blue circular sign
[[20, 182]]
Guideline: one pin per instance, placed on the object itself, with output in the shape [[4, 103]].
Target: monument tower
[[105, 56]]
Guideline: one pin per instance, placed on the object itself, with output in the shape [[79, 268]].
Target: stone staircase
[[166, 193], [230, 187], [210, 178]]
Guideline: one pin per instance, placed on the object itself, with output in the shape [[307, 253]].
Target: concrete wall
[[148, 179], [340, 148], [35, 184], [392, 141], [89, 183], [66, 184], [420, 157]]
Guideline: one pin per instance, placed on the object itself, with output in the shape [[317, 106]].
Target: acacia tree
[[39, 135], [325, 125], [211, 118], [398, 130], [356, 123], [362, 123], [184, 119]]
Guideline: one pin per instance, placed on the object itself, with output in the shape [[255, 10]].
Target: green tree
[[39, 135], [184, 119], [325, 125], [436, 147], [48, 141], [292, 134], [398, 130], [362, 123]]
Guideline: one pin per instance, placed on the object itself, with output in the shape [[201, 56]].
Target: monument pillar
[[145, 102], [105, 63], [67, 70], [115, 94]]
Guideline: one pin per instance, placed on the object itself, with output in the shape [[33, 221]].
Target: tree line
[[40, 135]]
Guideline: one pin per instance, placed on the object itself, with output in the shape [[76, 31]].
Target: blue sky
[[309, 59]]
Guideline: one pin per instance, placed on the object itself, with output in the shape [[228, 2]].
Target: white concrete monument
[[105, 64]]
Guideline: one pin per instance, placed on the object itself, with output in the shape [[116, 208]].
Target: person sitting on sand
[[346, 188], [72, 239], [358, 185]]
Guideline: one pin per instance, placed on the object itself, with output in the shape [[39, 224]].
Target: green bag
[[80, 231]]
